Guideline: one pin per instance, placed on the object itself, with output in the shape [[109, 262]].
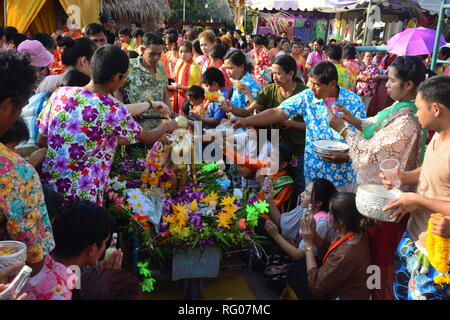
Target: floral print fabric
[[54, 282], [262, 62], [238, 99], [368, 88], [143, 85], [23, 214], [315, 114], [82, 129]]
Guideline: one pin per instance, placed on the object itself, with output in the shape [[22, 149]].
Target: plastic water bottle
[[14, 288]]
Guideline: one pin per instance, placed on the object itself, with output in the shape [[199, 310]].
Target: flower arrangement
[[156, 175], [438, 249], [214, 96]]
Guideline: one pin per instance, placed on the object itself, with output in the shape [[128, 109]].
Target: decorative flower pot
[[196, 263]]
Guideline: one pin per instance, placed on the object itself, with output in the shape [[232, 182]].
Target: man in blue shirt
[[310, 104]]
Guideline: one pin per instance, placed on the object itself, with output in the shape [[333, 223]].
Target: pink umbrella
[[414, 42]]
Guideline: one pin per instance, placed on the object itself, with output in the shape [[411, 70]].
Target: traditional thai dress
[[187, 74]]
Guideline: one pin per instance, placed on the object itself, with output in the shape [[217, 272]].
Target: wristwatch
[[309, 249], [150, 103]]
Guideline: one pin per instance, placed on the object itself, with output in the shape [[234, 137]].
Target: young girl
[[187, 73]]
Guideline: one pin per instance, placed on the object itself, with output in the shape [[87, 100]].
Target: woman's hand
[[226, 106], [336, 157], [408, 202], [243, 88], [7, 271], [239, 122], [308, 228], [161, 108], [347, 116], [195, 115], [271, 229]]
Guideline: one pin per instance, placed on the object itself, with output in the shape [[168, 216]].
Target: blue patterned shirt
[[238, 99], [315, 113]]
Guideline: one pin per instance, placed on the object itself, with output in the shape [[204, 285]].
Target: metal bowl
[[372, 198], [18, 255], [330, 146]]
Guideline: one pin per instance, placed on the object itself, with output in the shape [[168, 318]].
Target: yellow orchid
[[228, 201], [211, 197], [231, 210], [193, 207], [224, 220]]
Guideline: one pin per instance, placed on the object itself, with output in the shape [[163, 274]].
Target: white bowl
[[18, 257], [330, 146], [372, 198]]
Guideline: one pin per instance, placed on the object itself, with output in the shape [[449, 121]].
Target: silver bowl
[[372, 198], [18, 257]]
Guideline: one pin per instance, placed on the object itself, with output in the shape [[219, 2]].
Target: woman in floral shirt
[[82, 128], [261, 59], [367, 84], [23, 214]]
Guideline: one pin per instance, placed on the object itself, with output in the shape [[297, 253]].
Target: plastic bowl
[[372, 198], [18, 253], [330, 146]]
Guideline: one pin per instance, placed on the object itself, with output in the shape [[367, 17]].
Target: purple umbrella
[[414, 42]]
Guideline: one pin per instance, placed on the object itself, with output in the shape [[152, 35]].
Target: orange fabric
[[283, 196], [337, 243], [165, 62]]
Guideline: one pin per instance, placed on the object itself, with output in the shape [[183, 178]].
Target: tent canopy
[[429, 5]]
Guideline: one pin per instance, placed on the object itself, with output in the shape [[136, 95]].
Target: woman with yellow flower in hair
[[433, 195]]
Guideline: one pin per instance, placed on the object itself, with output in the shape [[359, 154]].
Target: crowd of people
[[68, 100]]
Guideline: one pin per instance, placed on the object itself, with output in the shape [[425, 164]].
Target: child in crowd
[[315, 200], [194, 102], [187, 74], [81, 230], [18, 133], [75, 78], [214, 82], [108, 284]]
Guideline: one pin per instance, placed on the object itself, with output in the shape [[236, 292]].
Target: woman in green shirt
[[285, 85]]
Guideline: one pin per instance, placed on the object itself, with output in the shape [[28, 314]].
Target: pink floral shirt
[[314, 58], [54, 282], [82, 129]]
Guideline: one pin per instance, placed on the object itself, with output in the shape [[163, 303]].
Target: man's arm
[[265, 118]]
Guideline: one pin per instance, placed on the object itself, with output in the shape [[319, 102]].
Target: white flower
[[237, 193], [134, 196]]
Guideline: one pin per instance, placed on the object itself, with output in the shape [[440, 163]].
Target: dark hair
[[288, 64], [107, 61], [285, 41], [320, 41], [446, 52], [326, 71], [343, 208], [75, 78], [436, 90], [322, 191], [93, 29], [213, 75], [258, 40], [125, 32], [196, 92], [53, 201], [285, 153], [75, 49], [238, 58], [18, 38], [18, 132], [79, 225], [47, 41], [137, 24], [17, 77], [108, 284], [151, 38], [172, 37], [10, 32], [349, 52], [219, 51], [187, 44], [238, 31], [410, 69], [196, 46], [334, 52], [137, 33], [2, 32]]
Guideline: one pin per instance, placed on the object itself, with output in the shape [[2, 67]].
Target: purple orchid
[[196, 220], [70, 104], [61, 164], [56, 142], [89, 114], [77, 151], [74, 126], [95, 133], [85, 183], [111, 119], [206, 242], [63, 185]]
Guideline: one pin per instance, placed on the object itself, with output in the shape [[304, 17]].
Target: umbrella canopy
[[414, 42]]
